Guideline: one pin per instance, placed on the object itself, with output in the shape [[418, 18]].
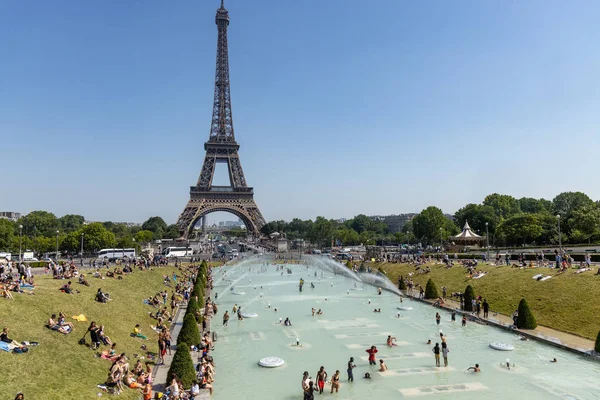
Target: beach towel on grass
[[80, 318]]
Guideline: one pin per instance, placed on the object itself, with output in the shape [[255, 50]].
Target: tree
[[521, 229], [189, 331], [533, 206], [504, 205], [96, 237], [321, 231], [172, 232], [477, 215], [182, 365], [401, 283], [584, 223], [525, 320], [568, 202], [156, 225], [143, 236], [427, 224], [42, 222], [7, 231], [70, 223], [597, 346], [468, 298], [431, 291]]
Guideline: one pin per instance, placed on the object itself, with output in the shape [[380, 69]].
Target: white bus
[[169, 252], [114, 254]]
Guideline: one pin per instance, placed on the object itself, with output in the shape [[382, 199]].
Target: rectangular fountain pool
[[348, 327]]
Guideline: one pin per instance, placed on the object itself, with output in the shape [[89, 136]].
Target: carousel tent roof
[[467, 234]]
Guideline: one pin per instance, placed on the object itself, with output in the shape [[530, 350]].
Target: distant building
[[10, 215], [394, 222]]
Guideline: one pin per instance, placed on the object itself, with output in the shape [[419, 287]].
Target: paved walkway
[[159, 379], [551, 336]]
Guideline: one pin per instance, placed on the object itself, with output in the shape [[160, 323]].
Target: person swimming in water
[[367, 375], [554, 360], [382, 366], [475, 368], [390, 341]]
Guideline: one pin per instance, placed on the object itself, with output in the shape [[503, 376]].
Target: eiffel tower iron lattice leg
[[221, 147]]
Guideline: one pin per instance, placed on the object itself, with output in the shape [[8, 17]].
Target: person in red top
[[372, 351]]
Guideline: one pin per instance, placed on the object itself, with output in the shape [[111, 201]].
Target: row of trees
[[510, 222], [41, 230]]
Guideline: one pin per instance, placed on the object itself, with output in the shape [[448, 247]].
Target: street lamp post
[[20, 241], [57, 232], [441, 242], [487, 239], [82, 234], [559, 235]]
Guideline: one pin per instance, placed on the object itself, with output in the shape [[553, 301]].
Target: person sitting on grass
[[101, 297], [137, 333], [55, 326], [103, 337], [4, 292], [93, 330], [67, 288], [4, 338], [83, 281], [62, 321]]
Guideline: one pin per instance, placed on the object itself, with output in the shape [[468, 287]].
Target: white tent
[[467, 234]]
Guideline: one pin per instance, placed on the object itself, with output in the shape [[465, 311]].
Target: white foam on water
[[290, 333], [366, 346], [440, 389], [363, 334], [401, 356], [361, 326], [256, 335], [415, 371], [341, 321]]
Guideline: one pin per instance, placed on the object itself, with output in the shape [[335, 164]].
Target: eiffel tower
[[221, 147]]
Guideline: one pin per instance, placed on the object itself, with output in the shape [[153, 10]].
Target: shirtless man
[[321, 378], [382, 366], [475, 368]]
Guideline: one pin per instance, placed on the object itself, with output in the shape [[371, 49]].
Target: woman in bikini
[[335, 381]]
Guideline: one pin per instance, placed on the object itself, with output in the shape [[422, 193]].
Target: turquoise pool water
[[349, 326]]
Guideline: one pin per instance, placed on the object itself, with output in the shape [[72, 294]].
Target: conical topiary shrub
[[468, 298], [182, 366], [597, 347], [189, 331], [401, 283], [431, 291], [525, 320], [348, 264]]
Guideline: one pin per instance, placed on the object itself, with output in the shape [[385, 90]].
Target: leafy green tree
[[568, 202], [97, 237], [43, 222], [143, 236], [156, 225], [182, 365], [321, 231], [431, 290], [126, 242], [477, 215], [172, 232], [43, 244], [530, 205], [504, 205], [584, 223], [468, 298], [427, 225], [7, 231], [70, 223], [525, 320], [521, 229]]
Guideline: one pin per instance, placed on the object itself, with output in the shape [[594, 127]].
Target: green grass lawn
[[568, 302], [60, 368]]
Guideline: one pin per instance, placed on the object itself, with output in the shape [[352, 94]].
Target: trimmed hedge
[[597, 346], [37, 264], [525, 320], [189, 331], [182, 366], [431, 291], [468, 298], [401, 283]]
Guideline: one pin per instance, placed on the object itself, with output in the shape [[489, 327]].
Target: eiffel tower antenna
[[221, 147]]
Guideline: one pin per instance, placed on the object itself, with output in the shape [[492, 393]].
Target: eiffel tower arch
[[221, 147]]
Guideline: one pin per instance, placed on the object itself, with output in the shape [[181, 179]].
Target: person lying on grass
[[4, 338], [55, 326], [111, 354]]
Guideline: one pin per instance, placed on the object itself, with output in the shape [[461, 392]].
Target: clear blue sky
[[341, 106]]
